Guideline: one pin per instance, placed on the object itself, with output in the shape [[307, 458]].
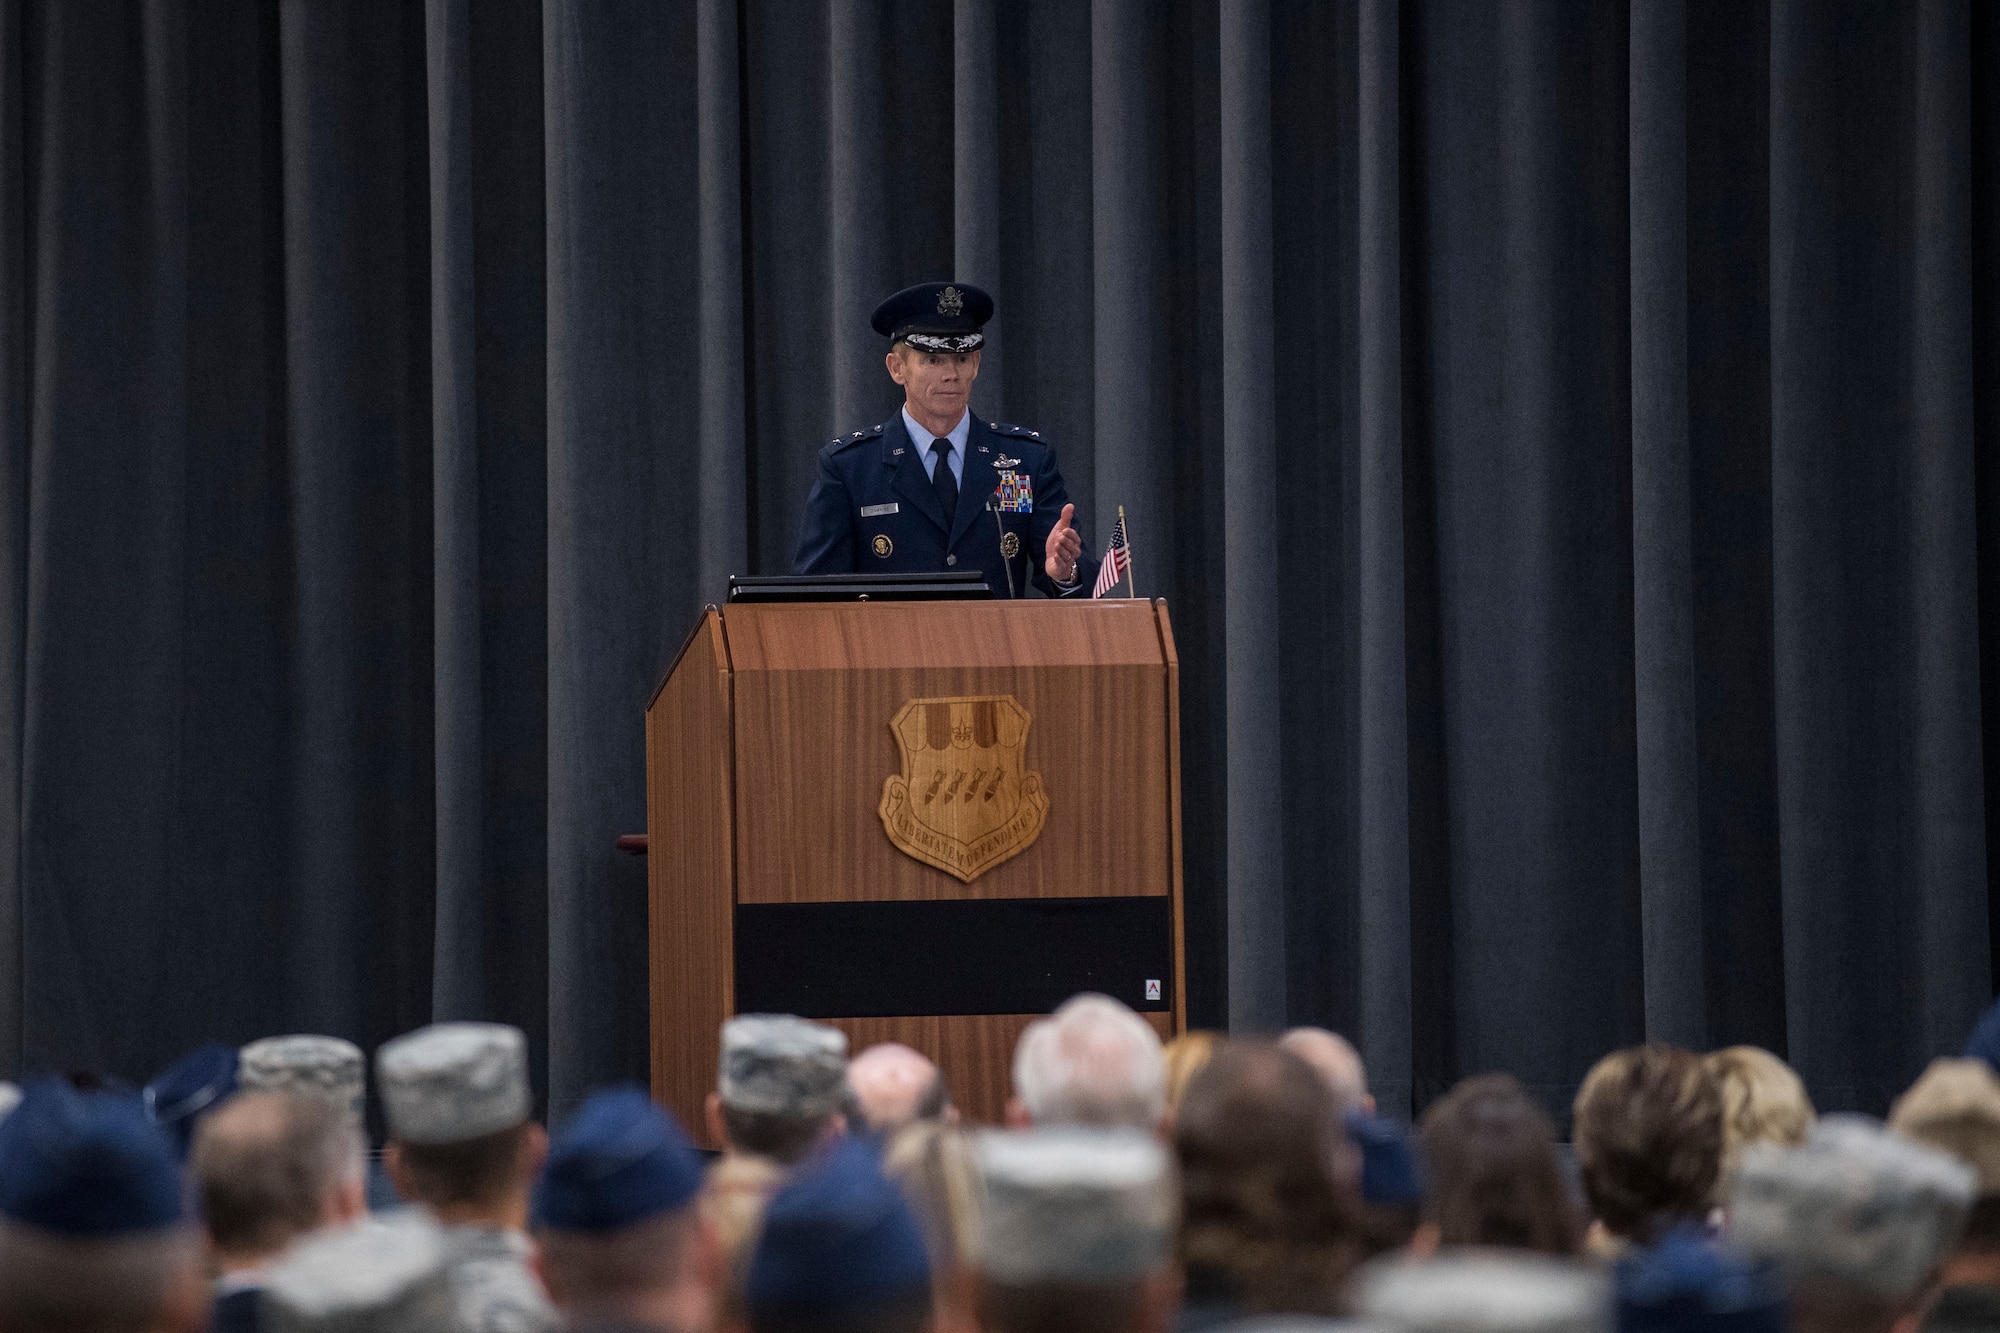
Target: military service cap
[[1854, 1202], [839, 1238], [1955, 1108], [775, 1064], [325, 1068], [190, 1088], [1491, 1292], [451, 1082], [619, 1161], [1074, 1205], [935, 317], [387, 1276], [86, 1164]]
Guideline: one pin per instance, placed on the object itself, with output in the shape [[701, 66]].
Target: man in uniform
[[461, 1143], [934, 488], [389, 1277]]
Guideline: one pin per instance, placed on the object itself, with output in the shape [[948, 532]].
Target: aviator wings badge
[[963, 802]]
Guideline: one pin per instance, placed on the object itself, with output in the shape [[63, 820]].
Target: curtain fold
[[1562, 435]]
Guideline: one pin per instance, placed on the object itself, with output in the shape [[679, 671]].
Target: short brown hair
[[1264, 1212], [785, 1139], [264, 1164], [479, 1171], [70, 1284], [1649, 1139], [1495, 1178], [602, 1270]]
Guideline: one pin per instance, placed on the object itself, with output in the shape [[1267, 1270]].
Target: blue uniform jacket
[[873, 508]]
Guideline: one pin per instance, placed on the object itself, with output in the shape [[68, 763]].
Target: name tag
[[876, 511]]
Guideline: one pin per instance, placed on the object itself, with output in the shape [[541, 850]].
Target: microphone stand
[[993, 508]]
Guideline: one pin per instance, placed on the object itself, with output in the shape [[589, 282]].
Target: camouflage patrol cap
[[382, 1276], [450, 1082], [1074, 1204], [1491, 1292], [1955, 1108], [325, 1068], [775, 1064], [1854, 1202]]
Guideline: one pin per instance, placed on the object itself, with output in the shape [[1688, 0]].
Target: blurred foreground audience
[[1858, 1219], [1763, 1101], [196, 1085], [268, 1170], [1183, 1058], [889, 1086], [1484, 1292], [623, 1244], [1648, 1135], [840, 1252], [1493, 1173], [462, 1145], [778, 1088], [93, 1234], [1078, 1233], [1092, 1062], [1269, 1224], [1955, 1108], [387, 1277]]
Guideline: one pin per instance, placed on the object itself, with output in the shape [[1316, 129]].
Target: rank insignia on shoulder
[[1004, 461], [882, 545], [1017, 493]]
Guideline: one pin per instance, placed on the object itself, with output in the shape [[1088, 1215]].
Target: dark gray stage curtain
[[1564, 435]]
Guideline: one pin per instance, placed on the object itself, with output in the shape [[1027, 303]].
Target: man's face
[[936, 383]]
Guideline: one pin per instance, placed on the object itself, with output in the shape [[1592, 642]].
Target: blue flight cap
[[839, 1238], [935, 317], [1390, 1175], [618, 1161], [86, 1164], [1692, 1283], [189, 1089], [1984, 1043]]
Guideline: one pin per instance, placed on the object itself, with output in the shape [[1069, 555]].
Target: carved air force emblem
[[963, 802]]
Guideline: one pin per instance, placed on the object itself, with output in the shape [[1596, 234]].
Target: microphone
[[993, 508]]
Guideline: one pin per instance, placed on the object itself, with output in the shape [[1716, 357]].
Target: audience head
[[840, 1252], [933, 1163], [889, 1086], [1648, 1135], [1763, 1101], [1955, 1108], [1077, 1233], [1688, 1283], [1494, 1174], [1336, 1061], [188, 1089], [1857, 1217], [457, 1100], [92, 1232], [1497, 1291], [304, 1065], [388, 1277], [779, 1085], [1265, 1216], [615, 1214], [1183, 1058], [1092, 1062], [270, 1168]]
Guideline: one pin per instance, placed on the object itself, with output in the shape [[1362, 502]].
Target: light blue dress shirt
[[922, 439]]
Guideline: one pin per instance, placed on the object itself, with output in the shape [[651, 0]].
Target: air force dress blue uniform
[[874, 507]]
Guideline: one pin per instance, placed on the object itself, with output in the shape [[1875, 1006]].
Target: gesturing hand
[[1063, 548]]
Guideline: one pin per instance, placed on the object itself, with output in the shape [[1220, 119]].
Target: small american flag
[[1117, 560]]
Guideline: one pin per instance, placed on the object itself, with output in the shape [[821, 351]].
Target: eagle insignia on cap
[[950, 302]]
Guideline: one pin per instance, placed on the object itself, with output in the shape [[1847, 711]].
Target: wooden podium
[[925, 822]]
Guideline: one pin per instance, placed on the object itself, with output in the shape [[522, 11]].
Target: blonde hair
[[1186, 1056], [1763, 1101]]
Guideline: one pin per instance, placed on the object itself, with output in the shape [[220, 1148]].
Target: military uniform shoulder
[[1018, 432], [843, 442]]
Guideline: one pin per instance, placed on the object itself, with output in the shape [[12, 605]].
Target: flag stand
[[1131, 583]]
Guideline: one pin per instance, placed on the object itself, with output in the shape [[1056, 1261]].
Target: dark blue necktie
[[941, 478]]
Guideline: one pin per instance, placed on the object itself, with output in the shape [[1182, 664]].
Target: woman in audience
[[1763, 1101], [1648, 1136], [1268, 1218], [1185, 1056], [1494, 1176]]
